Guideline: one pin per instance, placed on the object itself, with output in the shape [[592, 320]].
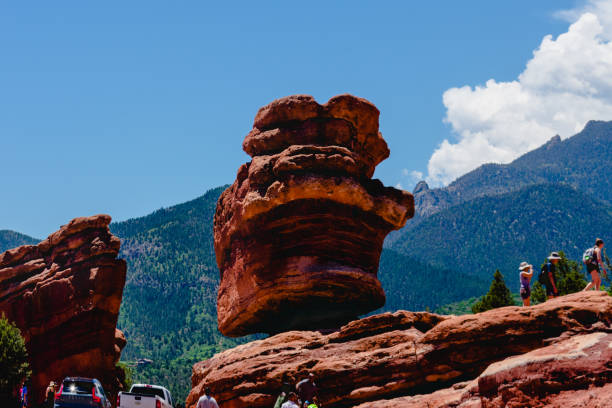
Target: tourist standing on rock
[[206, 401], [292, 403], [50, 395], [525, 274], [594, 264], [548, 277], [307, 388]]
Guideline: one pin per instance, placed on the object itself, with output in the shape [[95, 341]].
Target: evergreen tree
[[13, 359], [538, 294], [499, 295], [570, 278]]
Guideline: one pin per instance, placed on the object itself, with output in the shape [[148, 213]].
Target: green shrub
[[13, 358]]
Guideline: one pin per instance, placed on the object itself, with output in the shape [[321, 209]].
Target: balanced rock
[[419, 359], [64, 295], [298, 235]]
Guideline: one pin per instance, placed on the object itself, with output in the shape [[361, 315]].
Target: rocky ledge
[[64, 295], [298, 235], [553, 353]]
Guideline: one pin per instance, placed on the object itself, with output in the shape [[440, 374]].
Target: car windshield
[[148, 391], [77, 387]]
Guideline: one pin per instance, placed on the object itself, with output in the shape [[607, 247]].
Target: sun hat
[[554, 255], [524, 265]]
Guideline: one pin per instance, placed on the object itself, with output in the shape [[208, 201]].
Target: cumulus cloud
[[567, 82]]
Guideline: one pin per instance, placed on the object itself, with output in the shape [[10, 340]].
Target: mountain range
[[556, 197]]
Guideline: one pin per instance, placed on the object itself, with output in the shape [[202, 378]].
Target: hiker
[[50, 395], [593, 259], [292, 401], [547, 275], [307, 388], [206, 401], [525, 274], [284, 395]]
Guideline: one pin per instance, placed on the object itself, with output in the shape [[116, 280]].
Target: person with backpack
[[548, 275], [525, 274], [593, 259]]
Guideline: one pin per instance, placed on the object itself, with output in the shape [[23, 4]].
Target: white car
[[145, 396]]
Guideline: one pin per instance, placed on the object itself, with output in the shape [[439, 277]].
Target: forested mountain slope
[[498, 232], [11, 239]]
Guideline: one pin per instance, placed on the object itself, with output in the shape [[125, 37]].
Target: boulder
[[64, 295], [298, 235], [419, 358]]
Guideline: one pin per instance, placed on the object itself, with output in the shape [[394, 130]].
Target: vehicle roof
[[80, 379], [150, 386]]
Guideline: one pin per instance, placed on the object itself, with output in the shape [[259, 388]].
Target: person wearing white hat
[[525, 274]]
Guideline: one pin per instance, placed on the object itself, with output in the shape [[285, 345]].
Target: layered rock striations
[[298, 235], [64, 295], [512, 357]]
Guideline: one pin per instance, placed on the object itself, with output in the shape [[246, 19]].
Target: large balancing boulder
[[298, 235]]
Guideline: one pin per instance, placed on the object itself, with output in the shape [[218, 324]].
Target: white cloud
[[567, 83], [411, 177]]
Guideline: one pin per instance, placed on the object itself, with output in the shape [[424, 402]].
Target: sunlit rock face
[[298, 235], [64, 295]]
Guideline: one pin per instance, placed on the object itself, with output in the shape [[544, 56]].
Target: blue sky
[[126, 107]]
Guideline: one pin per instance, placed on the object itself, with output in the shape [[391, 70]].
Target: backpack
[[589, 256], [543, 277]]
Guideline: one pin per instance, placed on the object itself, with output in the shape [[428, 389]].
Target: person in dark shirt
[[307, 388], [50, 395], [549, 271]]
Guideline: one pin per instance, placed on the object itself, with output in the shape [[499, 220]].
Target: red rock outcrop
[[389, 359], [64, 295], [298, 235]]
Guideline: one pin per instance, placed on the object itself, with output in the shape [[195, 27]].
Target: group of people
[[593, 259], [23, 395], [305, 395]]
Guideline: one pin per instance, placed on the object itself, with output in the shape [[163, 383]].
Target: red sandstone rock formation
[[298, 235], [397, 356], [64, 294]]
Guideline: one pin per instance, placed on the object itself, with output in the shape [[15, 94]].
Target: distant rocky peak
[[421, 187]]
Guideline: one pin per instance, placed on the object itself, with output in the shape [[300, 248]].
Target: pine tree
[[570, 278], [13, 359], [538, 294], [499, 295]]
